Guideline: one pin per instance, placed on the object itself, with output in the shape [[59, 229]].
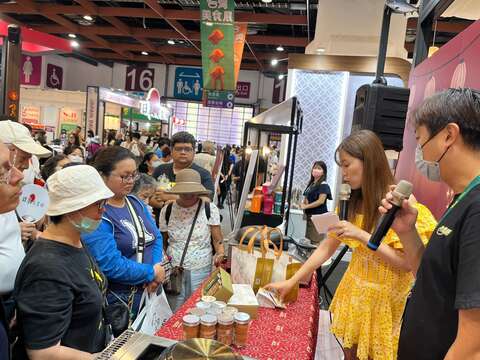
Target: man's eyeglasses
[[185, 149], [129, 178]]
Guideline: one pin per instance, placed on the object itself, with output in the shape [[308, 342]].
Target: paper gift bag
[[154, 312], [250, 265], [258, 267]]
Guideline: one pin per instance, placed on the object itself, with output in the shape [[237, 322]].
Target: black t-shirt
[[448, 280], [312, 193], [167, 170], [58, 298]]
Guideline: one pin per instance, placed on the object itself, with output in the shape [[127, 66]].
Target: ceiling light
[[171, 42], [320, 50], [88, 18], [274, 62], [281, 77], [74, 44], [72, 36], [280, 48], [144, 53], [267, 1]]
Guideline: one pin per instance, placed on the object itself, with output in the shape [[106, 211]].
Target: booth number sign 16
[[139, 79]]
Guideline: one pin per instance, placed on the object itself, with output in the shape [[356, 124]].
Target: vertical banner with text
[[240, 35], [217, 35]]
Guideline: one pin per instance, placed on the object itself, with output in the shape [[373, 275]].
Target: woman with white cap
[[59, 290], [191, 214], [128, 266]]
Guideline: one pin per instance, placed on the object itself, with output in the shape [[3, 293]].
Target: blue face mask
[[85, 225]]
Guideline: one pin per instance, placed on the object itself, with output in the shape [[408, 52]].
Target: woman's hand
[[219, 259], [345, 229], [281, 288], [28, 230], [303, 206], [159, 273], [152, 287], [405, 218]]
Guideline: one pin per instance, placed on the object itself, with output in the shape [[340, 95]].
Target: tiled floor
[[327, 346]]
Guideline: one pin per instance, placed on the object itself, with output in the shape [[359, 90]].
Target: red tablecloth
[[275, 334]]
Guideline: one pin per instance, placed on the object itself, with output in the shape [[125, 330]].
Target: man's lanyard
[[465, 192]]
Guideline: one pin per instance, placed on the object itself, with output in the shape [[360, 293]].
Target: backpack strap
[[207, 210], [168, 212]]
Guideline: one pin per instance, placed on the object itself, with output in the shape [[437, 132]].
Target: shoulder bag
[[174, 286]]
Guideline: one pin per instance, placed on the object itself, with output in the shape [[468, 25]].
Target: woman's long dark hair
[[317, 164]]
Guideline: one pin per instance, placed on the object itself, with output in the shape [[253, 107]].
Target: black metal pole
[[382, 50]]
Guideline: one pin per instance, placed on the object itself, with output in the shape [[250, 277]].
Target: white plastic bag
[[154, 312]]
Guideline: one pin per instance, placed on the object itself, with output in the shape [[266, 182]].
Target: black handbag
[[119, 314], [174, 285]]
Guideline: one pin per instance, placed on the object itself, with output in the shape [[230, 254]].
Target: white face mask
[[156, 163], [75, 158], [430, 169]]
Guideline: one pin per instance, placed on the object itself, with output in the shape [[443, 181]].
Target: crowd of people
[[111, 232]]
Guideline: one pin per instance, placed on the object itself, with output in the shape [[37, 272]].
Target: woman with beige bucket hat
[[192, 208], [59, 289]]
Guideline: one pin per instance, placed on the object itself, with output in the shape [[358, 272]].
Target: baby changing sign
[[33, 203]]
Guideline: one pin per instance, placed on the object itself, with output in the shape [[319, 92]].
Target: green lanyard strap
[[465, 192]]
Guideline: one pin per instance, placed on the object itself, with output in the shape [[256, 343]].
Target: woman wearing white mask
[[59, 291], [149, 163], [445, 302], [75, 154]]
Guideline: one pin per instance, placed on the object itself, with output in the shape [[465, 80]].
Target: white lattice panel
[[322, 97]]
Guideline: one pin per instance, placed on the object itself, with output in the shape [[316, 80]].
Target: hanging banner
[[217, 35], [240, 35]]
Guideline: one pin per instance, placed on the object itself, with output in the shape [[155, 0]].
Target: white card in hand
[[323, 221]]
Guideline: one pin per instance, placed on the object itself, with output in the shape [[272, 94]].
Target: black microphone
[[402, 191], [344, 196]]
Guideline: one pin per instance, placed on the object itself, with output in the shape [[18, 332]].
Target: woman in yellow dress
[[368, 304]]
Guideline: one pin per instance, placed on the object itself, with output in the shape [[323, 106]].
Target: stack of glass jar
[[212, 319]]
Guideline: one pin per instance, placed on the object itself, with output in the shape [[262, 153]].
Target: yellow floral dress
[[368, 305]]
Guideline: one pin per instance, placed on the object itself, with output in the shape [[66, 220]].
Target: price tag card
[[324, 221]]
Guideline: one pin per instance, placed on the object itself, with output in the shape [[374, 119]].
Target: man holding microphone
[[442, 317]]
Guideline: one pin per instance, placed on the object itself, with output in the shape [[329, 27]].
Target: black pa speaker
[[13, 33], [383, 110]]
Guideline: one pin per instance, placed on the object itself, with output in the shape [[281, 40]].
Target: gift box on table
[[219, 285], [244, 299]]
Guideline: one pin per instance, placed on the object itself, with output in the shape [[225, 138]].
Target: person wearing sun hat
[[176, 226], [21, 147], [59, 289]]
